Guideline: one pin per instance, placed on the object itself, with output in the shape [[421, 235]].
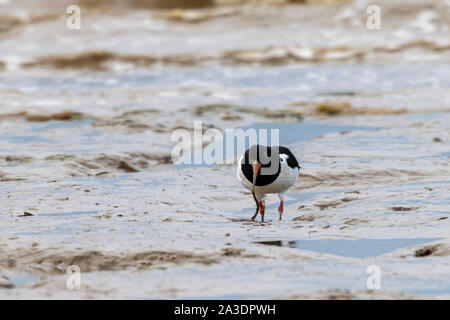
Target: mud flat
[[87, 178], [162, 231]]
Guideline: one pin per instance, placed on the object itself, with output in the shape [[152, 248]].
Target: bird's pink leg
[[257, 206], [280, 209], [261, 210], [256, 213]]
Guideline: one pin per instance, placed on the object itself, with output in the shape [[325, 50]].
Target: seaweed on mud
[[60, 116], [93, 60], [195, 16], [339, 294], [432, 250], [231, 252], [145, 4], [89, 261], [335, 108], [67, 115], [188, 4], [231, 110], [271, 55], [9, 22], [332, 109], [26, 214], [87, 60], [338, 93], [101, 61], [137, 112], [115, 162], [109, 163], [307, 218], [5, 178], [123, 165], [60, 157], [98, 261], [5, 283], [130, 124], [403, 208], [132, 120], [16, 158], [334, 203], [230, 117], [355, 221], [132, 162], [160, 158]]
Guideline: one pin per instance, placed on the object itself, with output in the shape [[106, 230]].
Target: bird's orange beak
[[255, 165]]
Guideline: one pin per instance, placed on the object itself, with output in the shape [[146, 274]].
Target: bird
[[265, 170]]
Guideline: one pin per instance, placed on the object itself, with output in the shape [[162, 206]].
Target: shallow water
[[290, 133], [22, 279], [73, 213], [311, 79], [361, 248], [361, 84]]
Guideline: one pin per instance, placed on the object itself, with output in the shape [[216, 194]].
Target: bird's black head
[[291, 160], [261, 164]]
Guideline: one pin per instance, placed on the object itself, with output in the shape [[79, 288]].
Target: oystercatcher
[[263, 170]]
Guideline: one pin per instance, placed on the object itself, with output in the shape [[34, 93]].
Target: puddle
[[290, 133], [361, 248], [22, 279], [55, 124], [64, 214]]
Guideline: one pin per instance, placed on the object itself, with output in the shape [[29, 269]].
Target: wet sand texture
[[87, 177]]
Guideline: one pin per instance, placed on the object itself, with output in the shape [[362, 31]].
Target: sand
[[87, 177]]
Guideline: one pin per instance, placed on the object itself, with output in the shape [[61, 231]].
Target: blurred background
[[260, 31], [86, 174]]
